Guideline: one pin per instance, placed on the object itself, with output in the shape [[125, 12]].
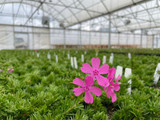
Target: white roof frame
[[72, 12]]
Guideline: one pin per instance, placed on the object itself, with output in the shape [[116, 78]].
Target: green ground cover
[[41, 89]]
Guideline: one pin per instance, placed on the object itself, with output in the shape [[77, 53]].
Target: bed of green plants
[[41, 89]]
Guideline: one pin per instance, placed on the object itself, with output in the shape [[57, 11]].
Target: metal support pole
[[127, 41], [109, 32], [50, 38], [141, 38], [89, 39], [134, 41], [100, 37], [118, 40], [157, 41], [64, 37], [28, 38], [153, 41], [13, 24], [80, 39]]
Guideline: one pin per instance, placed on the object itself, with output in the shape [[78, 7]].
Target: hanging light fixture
[[127, 22]]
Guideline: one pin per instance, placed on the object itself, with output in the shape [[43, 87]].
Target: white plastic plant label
[[128, 72], [104, 59], [156, 74], [75, 63], [82, 58], [68, 55], [96, 54], [111, 59], [129, 55], [49, 56], [72, 64], [119, 71], [56, 59], [85, 52], [112, 54], [129, 88], [38, 55]]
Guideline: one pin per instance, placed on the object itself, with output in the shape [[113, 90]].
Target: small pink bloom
[[87, 88], [111, 74], [10, 70], [35, 49], [1, 70], [113, 87], [96, 72]]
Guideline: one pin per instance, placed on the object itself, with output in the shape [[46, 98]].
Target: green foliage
[[100, 116], [41, 89]]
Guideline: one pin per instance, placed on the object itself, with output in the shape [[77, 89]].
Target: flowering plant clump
[[107, 83], [10, 70], [1, 70]]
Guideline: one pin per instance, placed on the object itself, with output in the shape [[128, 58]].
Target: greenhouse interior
[[79, 59]]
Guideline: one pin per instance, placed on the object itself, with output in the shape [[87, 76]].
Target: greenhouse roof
[[126, 15]]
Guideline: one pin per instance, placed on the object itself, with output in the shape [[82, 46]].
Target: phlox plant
[[10, 70], [1, 70], [109, 84]]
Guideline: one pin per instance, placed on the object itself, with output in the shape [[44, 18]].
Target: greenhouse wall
[[12, 37], [6, 37]]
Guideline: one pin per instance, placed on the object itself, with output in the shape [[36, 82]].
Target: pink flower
[[35, 49], [87, 88], [113, 87], [96, 72], [1, 70], [111, 74], [10, 70]]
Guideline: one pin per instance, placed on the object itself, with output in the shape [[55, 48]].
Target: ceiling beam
[[103, 14], [34, 12]]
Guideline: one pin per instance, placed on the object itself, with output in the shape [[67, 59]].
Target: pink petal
[[116, 87], [109, 91], [112, 71], [88, 98], [118, 78], [78, 91], [95, 62], [86, 68], [89, 80], [118, 83], [104, 69], [114, 98], [92, 75], [97, 91], [79, 82], [102, 81]]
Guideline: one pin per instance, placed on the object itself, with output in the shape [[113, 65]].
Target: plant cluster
[[107, 84], [41, 89]]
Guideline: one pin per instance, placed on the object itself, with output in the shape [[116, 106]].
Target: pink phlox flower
[[96, 72], [10, 70], [1, 70], [111, 73], [114, 86], [87, 88]]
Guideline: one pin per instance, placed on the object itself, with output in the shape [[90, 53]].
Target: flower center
[[86, 88], [95, 72], [112, 87]]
